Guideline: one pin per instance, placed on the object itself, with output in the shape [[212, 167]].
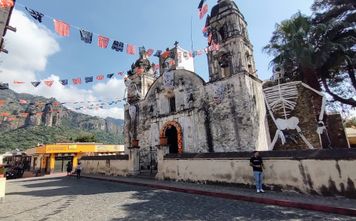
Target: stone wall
[[110, 166], [321, 172]]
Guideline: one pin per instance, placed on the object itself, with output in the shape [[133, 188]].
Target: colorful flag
[[201, 3], [131, 49], [2, 102], [100, 77], [64, 82], [77, 80], [156, 67], [118, 46], [149, 52], [199, 52], [103, 42], [110, 75], [120, 73], [19, 82], [61, 28], [6, 3], [35, 14], [56, 103], [205, 31], [86, 36], [89, 79], [49, 83], [36, 83], [166, 54], [203, 11], [39, 113], [158, 53], [21, 101]]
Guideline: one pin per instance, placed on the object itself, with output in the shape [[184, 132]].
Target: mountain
[[26, 120]]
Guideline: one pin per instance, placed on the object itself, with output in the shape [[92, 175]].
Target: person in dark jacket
[[69, 168], [256, 163]]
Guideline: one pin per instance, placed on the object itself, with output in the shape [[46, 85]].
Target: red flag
[[49, 83], [131, 49], [77, 81], [22, 101], [203, 11], [39, 113], [6, 3], [149, 52], [11, 119], [103, 41], [166, 54], [19, 82], [61, 28], [156, 67], [100, 77]]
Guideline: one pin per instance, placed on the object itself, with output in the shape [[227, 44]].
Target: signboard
[[109, 148]]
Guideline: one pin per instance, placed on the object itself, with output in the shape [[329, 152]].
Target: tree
[[86, 139], [320, 50]]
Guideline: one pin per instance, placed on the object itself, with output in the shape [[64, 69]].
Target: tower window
[[172, 104]]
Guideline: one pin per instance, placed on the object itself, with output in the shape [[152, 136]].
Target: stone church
[[177, 108]]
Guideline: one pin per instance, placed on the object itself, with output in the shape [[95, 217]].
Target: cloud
[[29, 49]]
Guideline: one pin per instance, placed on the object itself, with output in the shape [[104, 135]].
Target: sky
[[36, 52]]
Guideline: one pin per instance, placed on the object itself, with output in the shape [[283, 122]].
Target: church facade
[[180, 110]]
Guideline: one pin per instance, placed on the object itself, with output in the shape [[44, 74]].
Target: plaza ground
[[66, 198]]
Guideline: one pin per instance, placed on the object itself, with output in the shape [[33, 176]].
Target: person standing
[[256, 163], [69, 168], [79, 170]]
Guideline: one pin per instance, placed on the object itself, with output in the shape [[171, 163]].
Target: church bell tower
[[230, 50]]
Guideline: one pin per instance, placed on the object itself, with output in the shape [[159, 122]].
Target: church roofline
[[155, 82]]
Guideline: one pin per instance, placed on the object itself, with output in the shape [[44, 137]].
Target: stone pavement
[[333, 204], [66, 198]]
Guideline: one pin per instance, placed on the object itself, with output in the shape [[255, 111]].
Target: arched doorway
[[172, 131]]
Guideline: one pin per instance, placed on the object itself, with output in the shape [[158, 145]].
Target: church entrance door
[[173, 132], [172, 136]]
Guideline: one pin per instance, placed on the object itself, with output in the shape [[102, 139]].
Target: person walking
[[256, 163], [79, 170], [69, 168]]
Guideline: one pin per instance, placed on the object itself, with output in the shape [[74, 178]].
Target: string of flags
[[63, 29]]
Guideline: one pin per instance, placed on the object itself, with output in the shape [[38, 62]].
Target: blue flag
[[158, 53], [86, 36], [36, 83], [89, 79], [118, 46], [110, 75], [64, 82]]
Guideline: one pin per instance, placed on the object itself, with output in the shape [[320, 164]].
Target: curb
[[269, 201]]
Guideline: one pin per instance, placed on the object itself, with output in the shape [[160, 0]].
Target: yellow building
[[52, 158]]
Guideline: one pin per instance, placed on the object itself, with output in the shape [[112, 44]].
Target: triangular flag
[[64, 82], [131, 49], [103, 42], [110, 75], [86, 36], [77, 81], [35, 14], [6, 3], [61, 28], [36, 83], [49, 83]]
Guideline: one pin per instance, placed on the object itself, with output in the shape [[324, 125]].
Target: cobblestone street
[[66, 198]]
